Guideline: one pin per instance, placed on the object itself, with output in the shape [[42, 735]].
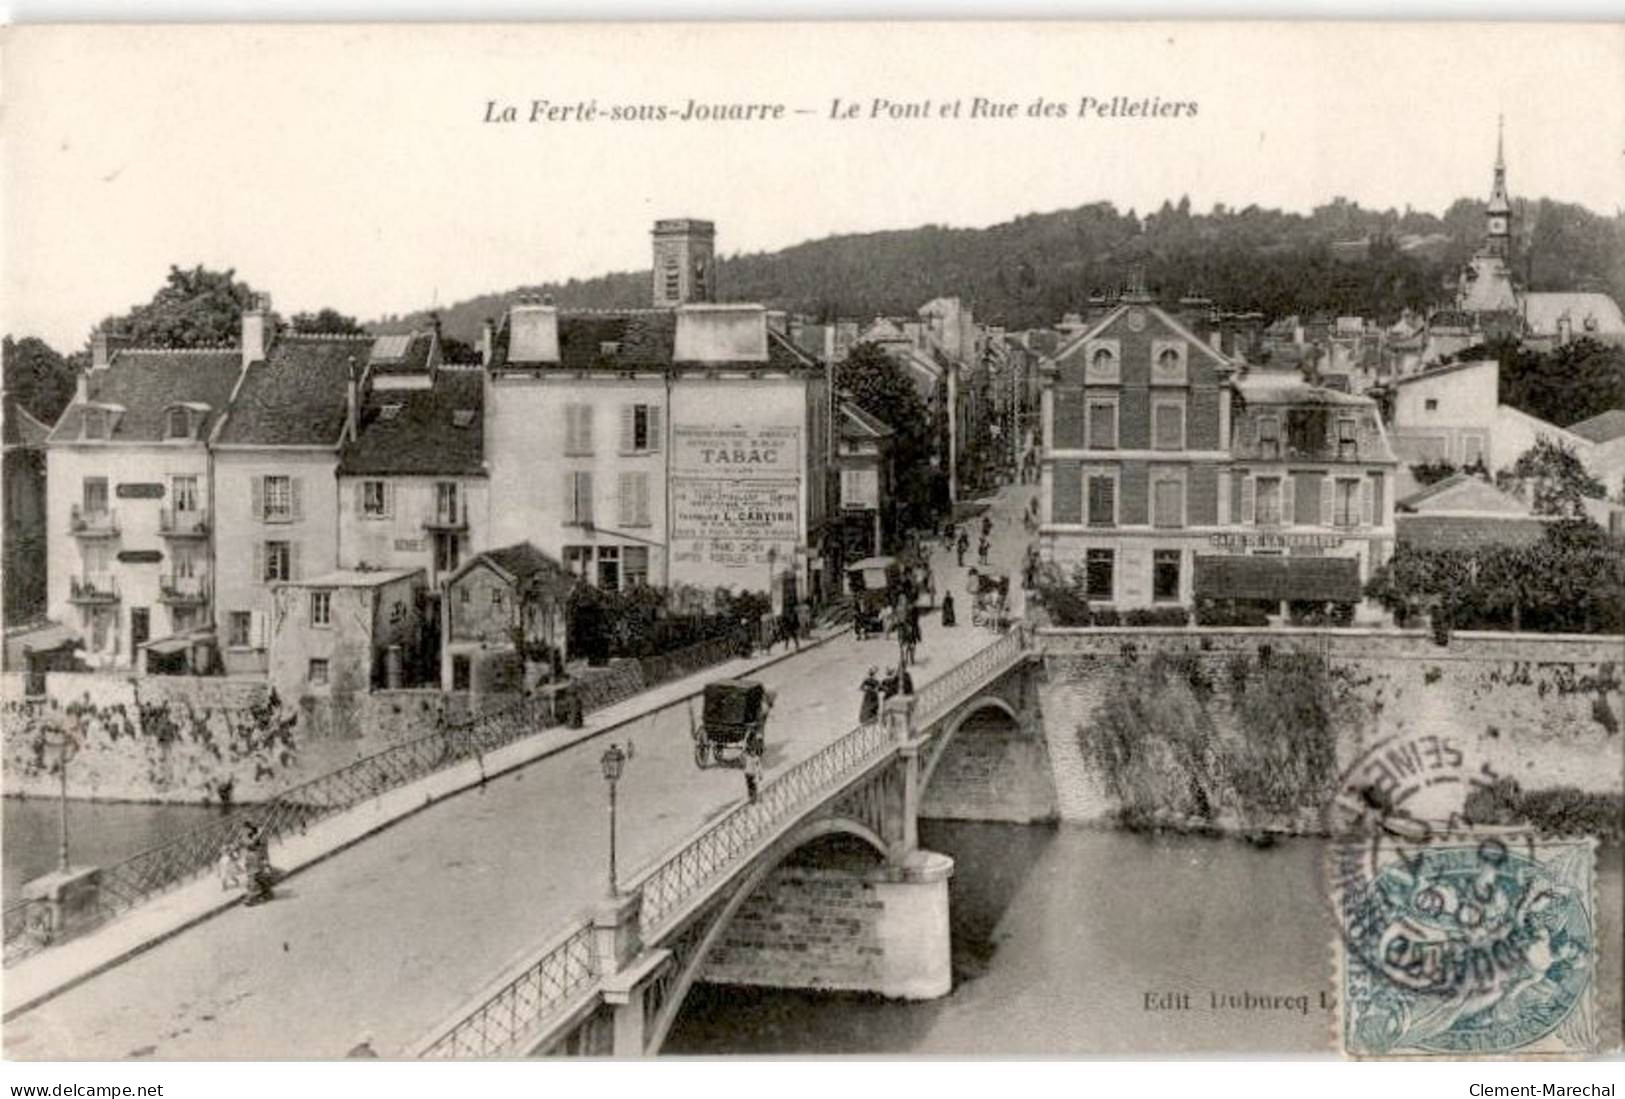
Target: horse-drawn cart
[[732, 723]]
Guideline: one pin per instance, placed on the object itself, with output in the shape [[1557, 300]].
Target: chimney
[[99, 356], [720, 334], [533, 334], [488, 336], [81, 387], [352, 401], [257, 329], [778, 321], [684, 262]]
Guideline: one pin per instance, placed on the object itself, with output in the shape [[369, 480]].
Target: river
[[1060, 935], [99, 833]]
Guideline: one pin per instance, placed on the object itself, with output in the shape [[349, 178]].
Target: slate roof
[[424, 436], [520, 563], [147, 383], [633, 339], [860, 424], [20, 427], [297, 395], [1465, 532], [1603, 428], [1463, 492]]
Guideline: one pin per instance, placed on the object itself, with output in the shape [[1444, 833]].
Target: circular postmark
[[1456, 937]]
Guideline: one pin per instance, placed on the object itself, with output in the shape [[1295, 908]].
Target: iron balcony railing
[[182, 523], [184, 590], [93, 523], [93, 587]]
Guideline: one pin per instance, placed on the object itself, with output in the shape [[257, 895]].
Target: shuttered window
[[1066, 500], [1069, 418], [1267, 500], [640, 428], [1379, 504], [578, 497], [1346, 505], [1168, 426], [1102, 425], [578, 429], [1169, 503], [1102, 501], [1306, 499], [634, 499]]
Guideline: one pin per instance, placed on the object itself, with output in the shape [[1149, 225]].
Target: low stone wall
[[1543, 710], [156, 738]]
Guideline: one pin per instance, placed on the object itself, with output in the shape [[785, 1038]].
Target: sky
[[352, 167]]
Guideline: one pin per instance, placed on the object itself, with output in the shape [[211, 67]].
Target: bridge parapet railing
[[967, 677], [520, 1002], [668, 886]]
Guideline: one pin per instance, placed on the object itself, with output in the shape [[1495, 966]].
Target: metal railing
[[542, 987], [98, 522], [183, 589], [522, 1005], [718, 850], [93, 587], [196, 852], [967, 677], [182, 523]]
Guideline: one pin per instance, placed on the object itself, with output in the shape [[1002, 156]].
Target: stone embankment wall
[[1545, 711]]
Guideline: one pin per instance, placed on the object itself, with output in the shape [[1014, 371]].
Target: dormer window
[[96, 423], [1102, 361], [388, 412], [1269, 436], [462, 417], [180, 424]]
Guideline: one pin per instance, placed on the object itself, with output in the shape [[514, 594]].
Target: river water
[[1060, 935], [99, 833], [1066, 940]]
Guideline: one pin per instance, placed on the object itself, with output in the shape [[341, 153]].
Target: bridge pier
[[839, 926]]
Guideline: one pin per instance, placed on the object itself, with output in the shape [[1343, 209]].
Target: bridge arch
[[976, 706], [691, 962]]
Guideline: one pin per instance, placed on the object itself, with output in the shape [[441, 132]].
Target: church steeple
[[1498, 214]]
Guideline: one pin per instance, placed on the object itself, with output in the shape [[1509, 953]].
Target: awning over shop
[[1307, 579], [50, 637]]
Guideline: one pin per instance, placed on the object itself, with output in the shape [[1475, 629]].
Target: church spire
[[1498, 213]]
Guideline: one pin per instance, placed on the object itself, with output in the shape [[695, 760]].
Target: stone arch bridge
[[614, 983]]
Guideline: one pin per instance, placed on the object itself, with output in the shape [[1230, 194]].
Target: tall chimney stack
[[257, 329], [352, 402], [488, 336], [684, 262], [99, 356]]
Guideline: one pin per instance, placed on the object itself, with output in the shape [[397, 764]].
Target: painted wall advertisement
[[735, 501]]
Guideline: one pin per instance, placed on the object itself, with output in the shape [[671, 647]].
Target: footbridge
[[820, 883]]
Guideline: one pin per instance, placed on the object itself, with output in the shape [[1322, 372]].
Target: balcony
[[173, 523], [184, 591], [101, 523], [441, 520], [93, 588]]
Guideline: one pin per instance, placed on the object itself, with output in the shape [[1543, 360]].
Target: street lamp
[[65, 743], [613, 761]]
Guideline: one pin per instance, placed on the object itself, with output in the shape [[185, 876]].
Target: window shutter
[[256, 498], [643, 500], [1288, 516], [571, 515], [1328, 493], [1247, 513], [1365, 502], [256, 628], [295, 497], [572, 442], [626, 500], [654, 428], [586, 428], [585, 485], [360, 499], [628, 434], [259, 562], [294, 572]]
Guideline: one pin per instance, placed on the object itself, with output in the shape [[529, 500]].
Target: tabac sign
[[736, 453]]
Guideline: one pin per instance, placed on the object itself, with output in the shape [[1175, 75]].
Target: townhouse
[[129, 524]]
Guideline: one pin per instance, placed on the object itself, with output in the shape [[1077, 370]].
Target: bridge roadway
[[387, 938]]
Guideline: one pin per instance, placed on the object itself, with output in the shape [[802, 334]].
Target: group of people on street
[[876, 690], [245, 862]]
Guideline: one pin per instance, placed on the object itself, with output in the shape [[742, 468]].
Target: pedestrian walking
[[253, 856], [987, 525], [962, 546], [889, 686], [905, 682], [947, 608], [888, 620], [981, 550], [869, 707], [789, 627], [753, 772]]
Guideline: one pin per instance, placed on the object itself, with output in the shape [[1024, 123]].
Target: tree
[[41, 380], [879, 386], [328, 321], [194, 308], [1563, 386], [1555, 478]]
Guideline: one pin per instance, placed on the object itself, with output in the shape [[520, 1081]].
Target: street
[[387, 938]]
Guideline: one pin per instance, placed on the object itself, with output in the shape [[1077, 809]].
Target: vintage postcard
[[937, 540]]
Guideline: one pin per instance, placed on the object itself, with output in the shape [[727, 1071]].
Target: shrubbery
[[1559, 811], [1230, 612], [1156, 740]]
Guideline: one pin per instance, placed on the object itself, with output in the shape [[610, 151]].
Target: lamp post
[[613, 761], [64, 742]]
